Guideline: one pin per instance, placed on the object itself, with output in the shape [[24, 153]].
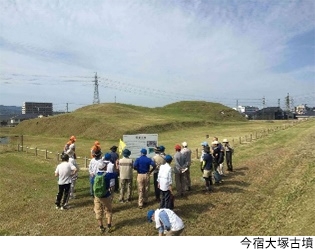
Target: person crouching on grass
[[166, 221], [64, 172], [103, 205]]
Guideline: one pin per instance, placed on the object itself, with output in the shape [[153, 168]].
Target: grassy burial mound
[[271, 191], [109, 121]]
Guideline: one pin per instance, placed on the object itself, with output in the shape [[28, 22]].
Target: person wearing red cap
[[180, 167]]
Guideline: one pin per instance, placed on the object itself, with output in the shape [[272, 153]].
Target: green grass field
[[271, 191]]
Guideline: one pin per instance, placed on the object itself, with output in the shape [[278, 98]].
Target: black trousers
[[157, 191], [228, 159], [166, 200], [63, 194]]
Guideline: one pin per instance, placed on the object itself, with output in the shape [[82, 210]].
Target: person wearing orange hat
[[95, 148], [180, 167], [69, 148]]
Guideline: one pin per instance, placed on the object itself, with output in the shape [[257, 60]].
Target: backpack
[[99, 186]]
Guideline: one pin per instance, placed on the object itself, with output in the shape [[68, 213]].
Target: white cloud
[[221, 49]]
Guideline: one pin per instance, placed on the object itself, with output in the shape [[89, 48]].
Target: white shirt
[[94, 166], [110, 169], [64, 171], [176, 222], [165, 176]]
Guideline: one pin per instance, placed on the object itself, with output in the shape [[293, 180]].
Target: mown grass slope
[[271, 191]]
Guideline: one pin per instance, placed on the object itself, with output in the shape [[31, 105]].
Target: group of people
[[118, 177], [212, 161]]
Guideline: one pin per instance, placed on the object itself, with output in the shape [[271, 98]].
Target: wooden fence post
[[35, 151], [197, 153], [85, 162], [57, 157], [46, 154], [18, 149]]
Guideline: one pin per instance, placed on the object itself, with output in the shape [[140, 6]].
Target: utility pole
[[67, 108], [264, 102], [278, 103], [287, 102], [96, 99]]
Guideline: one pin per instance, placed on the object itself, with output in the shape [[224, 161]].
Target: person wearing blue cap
[[166, 221], [125, 166], [143, 166], [164, 180], [110, 169], [93, 168], [203, 144]]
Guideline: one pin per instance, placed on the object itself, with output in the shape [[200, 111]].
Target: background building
[[39, 108]]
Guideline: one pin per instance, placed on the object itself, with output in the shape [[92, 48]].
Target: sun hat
[[168, 158], [149, 215], [225, 140], [126, 152], [143, 151], [215, 143], [184, 144], [157, 150]]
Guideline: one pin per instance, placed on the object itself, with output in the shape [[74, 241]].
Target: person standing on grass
[[220, 167], [207, 168], [228, 154], [203, 144], [179, 170], [125, 166], [114, 159], [164, 180], [166, 221], [187, 155], [110, 169], [217, 154], [95, 163], [103, 205], [159, 160], [143, 166], [64, 171], [75, 176], [70, 146]]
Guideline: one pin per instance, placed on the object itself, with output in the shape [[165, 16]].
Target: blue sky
[[156, 52]]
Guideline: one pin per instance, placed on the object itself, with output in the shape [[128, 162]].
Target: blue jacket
[[143, 163]]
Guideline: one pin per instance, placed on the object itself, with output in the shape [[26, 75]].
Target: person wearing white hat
[[187, 156]]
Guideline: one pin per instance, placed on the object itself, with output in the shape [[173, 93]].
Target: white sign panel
[[136, 142]]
